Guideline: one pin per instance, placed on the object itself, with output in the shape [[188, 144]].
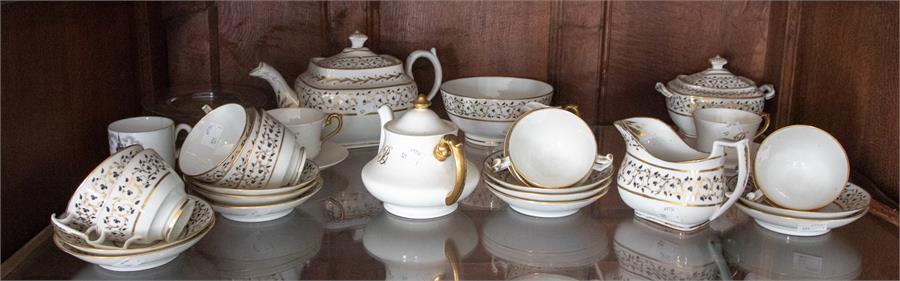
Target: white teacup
[[154, 132], [211, 149], [729, 124], [801, 167], [148, 203], [307, 124]]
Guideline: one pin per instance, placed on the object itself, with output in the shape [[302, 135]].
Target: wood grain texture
[[150, 58], [577, 65], [846, 82], [781, 58], [653, 42], [342, 19], [63, 81], [285, 35], [471, 38], [188, 43]]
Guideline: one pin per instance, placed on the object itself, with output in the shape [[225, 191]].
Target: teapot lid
[[420, 121], [715, 81], [357, 56]]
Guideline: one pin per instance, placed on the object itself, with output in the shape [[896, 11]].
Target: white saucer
[[850, 202], [331, 154], [796, 226], [268, 212]]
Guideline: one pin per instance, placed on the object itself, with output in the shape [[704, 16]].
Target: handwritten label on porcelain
[[807, 263], [212, 134], [669, 214], [812, 227]]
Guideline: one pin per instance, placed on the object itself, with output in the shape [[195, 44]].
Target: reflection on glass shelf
[[530, 248], [646, 251], [421, 249], [275, 249], [763, 254]]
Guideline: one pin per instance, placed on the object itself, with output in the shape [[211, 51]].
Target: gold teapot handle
[[447, 145], [328, 120], [573, 109]]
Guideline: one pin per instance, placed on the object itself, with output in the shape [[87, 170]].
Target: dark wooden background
[[69, 69]]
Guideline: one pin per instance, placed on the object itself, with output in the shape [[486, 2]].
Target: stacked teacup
[[131, 213], [801, 184], [549, 166], [248, 164]]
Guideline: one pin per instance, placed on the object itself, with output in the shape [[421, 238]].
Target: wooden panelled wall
[[603, 56], [834, 65]]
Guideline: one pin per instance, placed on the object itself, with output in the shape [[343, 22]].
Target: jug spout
[[386, 115], [286, 96]]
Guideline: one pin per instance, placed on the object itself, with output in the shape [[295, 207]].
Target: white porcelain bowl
[[544, 209], [801, 167], [484, 107], [550, 148], [217, 136]]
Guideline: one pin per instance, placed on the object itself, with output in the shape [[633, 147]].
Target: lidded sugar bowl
[[420, 170], [715, 87], [354, 83]]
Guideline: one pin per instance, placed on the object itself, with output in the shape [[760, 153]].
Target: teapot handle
[[432, 57], [447, 145], [743, 152]]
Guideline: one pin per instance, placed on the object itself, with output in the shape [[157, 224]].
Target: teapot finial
[[718, 62], [357, 40], [422, 102]]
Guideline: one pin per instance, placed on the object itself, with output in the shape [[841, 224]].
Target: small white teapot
[[409, 173]]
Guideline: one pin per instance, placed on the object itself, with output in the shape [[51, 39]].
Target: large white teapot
[[413, 173], [354, 83]]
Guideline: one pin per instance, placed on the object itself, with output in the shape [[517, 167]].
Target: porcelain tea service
[[307, 124], [715, 87], [729, 124], [420, 170], [154, 132], [485, 107], [354, 83], [132, 199], [199, 223], [667, 182]]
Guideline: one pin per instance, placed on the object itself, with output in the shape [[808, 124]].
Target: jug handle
[[447, 145], [432, 57], [743, 166]]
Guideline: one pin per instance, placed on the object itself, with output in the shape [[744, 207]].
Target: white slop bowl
[[484, 107], [801, 167]]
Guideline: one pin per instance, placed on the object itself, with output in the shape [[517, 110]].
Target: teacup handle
[[501, 164], [328, 120], [450, 144], [603, 161], [187, 130], [99, 241], [61, 223], [765, 126], [743, 166]]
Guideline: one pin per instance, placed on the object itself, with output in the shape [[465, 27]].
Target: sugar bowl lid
[[357, 56], [715, 81], [420, 121]]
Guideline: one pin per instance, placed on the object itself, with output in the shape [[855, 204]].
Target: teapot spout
[[286, 96], [386, 115]]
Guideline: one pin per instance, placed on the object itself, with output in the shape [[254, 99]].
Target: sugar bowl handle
[[432, 57], [450, 144]]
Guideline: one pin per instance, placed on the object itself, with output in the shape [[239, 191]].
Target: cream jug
[[667, 182], [420, 169]]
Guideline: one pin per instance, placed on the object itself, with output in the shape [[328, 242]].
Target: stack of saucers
[[249, 164], [545, 202], [549, 166], [851, 204], [256, 205], [801, 184], [131, 213]]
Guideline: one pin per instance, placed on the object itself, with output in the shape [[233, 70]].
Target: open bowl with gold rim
[[484, 107]]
